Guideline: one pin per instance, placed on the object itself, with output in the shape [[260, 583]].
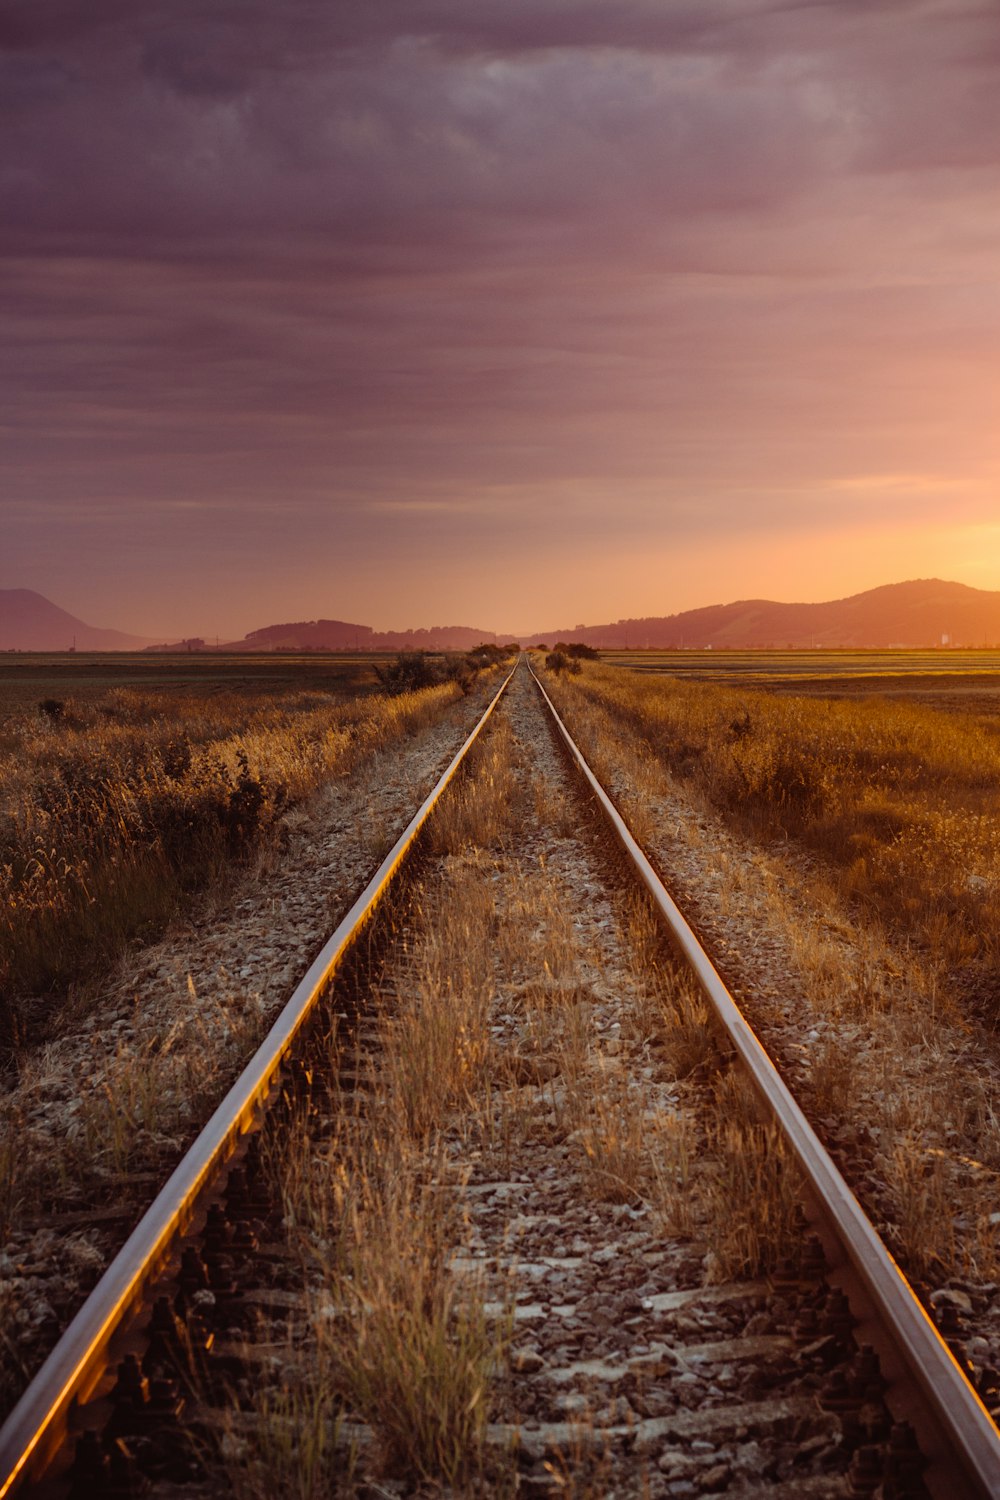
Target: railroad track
[[152, 1313]]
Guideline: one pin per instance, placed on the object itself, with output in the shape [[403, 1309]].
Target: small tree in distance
[[577, 649]]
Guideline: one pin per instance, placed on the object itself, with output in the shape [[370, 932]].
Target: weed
[[922, 1187], [832, 1073], [482, 804], [674, 1152], [291, 1445], [752, 1186], [413, 1352], [10, 1183], [614, 1138]]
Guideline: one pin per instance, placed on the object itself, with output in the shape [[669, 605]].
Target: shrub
[[576, 649], [408, 673], [489, 654], [412, 671]]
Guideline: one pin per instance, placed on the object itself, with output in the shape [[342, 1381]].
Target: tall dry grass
[[897, 799], [114, 815], [375, 1208]]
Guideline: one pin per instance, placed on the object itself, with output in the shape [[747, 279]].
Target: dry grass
[[403, 1343], [435, 1040], [673, 1172], [923, 1187], [477, 811], [412, 1351], [10, 1184], [899, 800], [293, 1445], [138, 1104], [672, 1015], [736, 1184], [113, 816], [616, 1137], [582, 1471], [752, 1187]]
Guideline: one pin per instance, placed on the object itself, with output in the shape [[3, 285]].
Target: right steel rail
[[926, 1386]]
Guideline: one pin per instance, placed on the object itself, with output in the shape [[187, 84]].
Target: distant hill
[[341, 635], [923, 612], [30, 622]]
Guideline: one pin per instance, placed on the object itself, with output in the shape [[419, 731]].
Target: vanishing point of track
[[925, 1386]]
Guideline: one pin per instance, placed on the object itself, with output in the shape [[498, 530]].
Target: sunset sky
[[511, 313]]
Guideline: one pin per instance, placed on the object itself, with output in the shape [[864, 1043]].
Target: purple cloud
[[668, 267]]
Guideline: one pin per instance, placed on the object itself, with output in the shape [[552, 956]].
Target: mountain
[[922, 612], [29, 622], [341, 635]]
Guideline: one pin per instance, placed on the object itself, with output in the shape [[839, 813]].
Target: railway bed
[[581, 1199]]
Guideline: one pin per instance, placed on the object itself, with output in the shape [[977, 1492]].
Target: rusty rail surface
[[925, 1385], [37, 1427]]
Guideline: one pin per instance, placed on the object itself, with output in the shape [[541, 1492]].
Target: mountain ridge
[[919, 612], [30, 622]]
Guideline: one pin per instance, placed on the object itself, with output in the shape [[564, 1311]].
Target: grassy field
[[943, 671], [895, 795], [130, 783], [28, 677]]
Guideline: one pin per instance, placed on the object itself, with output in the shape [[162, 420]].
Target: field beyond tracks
[[962, 680], [839, 665], [129, 784], [26, 678], [881, 771]]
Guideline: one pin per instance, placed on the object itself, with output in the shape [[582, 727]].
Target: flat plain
[[28, 677], [950, 671]]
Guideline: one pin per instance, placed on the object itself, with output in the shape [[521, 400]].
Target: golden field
[[897, 797], [138, 788]]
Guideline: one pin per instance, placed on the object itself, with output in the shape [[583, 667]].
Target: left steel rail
[[39, 1424]]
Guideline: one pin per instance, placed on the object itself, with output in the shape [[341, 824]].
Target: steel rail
[[951, 1423], [37, 1424]]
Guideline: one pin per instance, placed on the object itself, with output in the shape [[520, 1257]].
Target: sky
[[513, 313]]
